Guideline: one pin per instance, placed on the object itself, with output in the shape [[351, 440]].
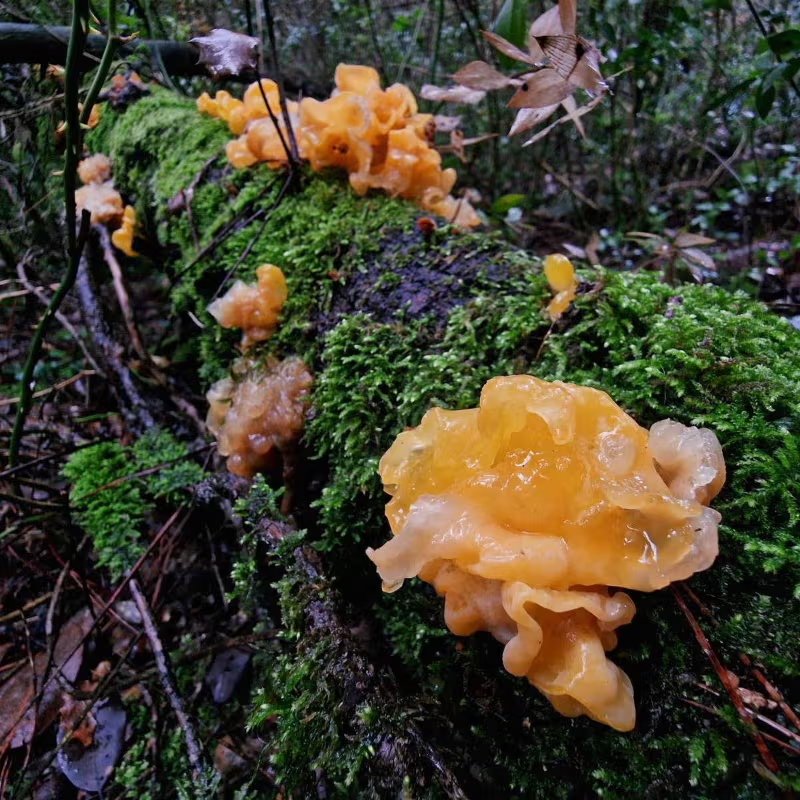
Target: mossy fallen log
[[392, 322]]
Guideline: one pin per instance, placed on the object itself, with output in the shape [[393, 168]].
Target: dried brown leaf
[[481, 76], [699, 257], [540, 89], [692, 240], [568, 12], [643, 235], [451, 94], [528, 118], [592, 249], [571, 107], [562, 52], [561, 120], [227, 53], [446, 124], [573, 250], [586, 73], [508, 49], [20, 716], [548, 24]]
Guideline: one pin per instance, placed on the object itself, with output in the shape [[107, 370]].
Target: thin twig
[[65, 323], [774, 694], [167, 681], [56, 387], [294, 153], [123, 296], [725, 677]]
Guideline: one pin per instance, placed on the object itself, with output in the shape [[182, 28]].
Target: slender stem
[[294, 153], [112, 43], [77, 40]]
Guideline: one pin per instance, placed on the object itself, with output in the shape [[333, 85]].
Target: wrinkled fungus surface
[[524, 511], [259, 413], [255, 307], [375, 134]]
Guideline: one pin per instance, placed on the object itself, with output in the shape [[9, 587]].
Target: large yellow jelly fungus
[[563, 282], [524, 511], [375, 134], [254, 308]]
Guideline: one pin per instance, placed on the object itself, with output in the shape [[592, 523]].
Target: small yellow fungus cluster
[[98, 196], [563, 282], [104, 203], [122, 238], [258, 414], [524, 511], [376, 135], [254, 308]]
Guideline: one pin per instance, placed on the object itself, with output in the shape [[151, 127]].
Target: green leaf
[[765, 97], [506, 202], [785, 42], [512, 25]]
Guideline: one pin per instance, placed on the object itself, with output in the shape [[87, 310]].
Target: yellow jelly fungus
[[376, 135], [122, 238], [95, 169], [259, 414], [101, 200], [524, 511], [98, 196], [563, 282], [254, 308]]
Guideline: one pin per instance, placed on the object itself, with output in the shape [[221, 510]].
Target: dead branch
[[167, 681], [44, 44]]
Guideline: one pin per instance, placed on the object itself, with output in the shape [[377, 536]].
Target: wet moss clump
[[393, 322]]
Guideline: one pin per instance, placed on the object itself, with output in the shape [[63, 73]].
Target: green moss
[[392, 325], [696, 354], [114, 488]]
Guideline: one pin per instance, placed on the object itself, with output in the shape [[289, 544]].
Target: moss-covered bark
[[392, 324]]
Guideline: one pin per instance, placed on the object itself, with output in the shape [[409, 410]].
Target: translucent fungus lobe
[[524, 511]]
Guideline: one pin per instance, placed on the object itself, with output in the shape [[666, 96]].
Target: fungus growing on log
[[255, 307], [563, 282], [101, 199], [524, 511], [376, 135], [259, 413], [122, 238]]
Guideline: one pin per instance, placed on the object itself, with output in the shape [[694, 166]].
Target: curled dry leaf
[[528, 118], [480, 75], [20, 713], [451, 94], [561, 120], [226, 53], [508, 49], [541, 89], [685, 239], [561, 60]]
